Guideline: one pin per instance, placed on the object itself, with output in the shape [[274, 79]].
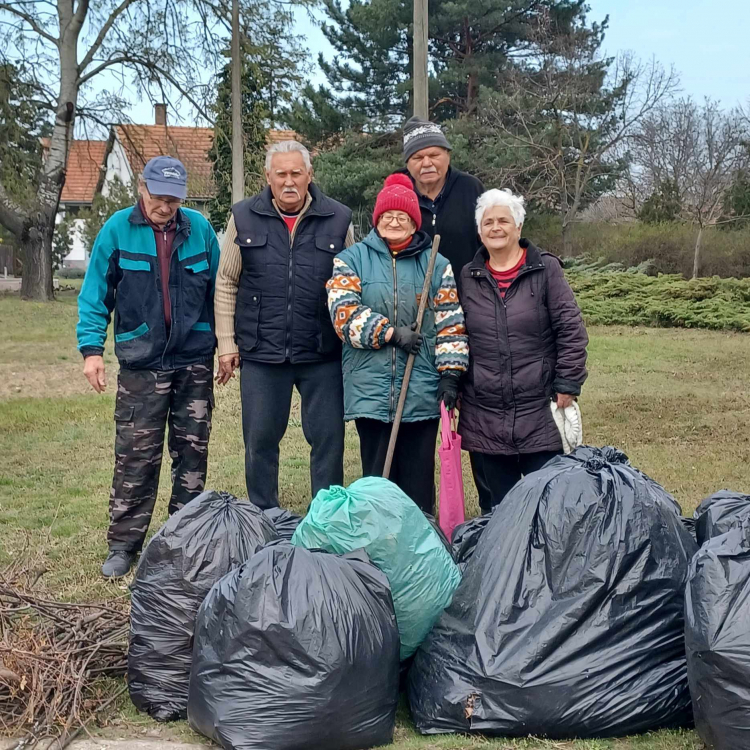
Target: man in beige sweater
[[272, 320]]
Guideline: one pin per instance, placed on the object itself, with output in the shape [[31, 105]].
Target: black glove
[[448, 388], [407, 338]]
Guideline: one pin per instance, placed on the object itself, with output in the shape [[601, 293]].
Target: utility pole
[[421, 102], [238, 161]]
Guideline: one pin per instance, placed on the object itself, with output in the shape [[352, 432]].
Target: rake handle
[[410, 360]]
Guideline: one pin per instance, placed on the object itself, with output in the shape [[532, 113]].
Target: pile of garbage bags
[[581, 607], [373, 514], [198, 545], [297, 649], [569, 619], [717, 631]]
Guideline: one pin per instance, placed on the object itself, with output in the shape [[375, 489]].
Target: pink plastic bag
[[451, 509]]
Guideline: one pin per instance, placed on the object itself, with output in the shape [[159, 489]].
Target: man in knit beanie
[[447, 197]]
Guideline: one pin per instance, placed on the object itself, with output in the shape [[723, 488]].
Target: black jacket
[[452, 217], [282, 312], [522, 350]]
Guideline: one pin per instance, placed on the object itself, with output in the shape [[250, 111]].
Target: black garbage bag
[[689, 524], [466, 537], [198, 545], [719, 513], [297, 649], [576, 628], [717, 636], [443, 538], [284, 520]]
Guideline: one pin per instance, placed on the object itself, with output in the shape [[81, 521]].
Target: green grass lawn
[[675, 401]]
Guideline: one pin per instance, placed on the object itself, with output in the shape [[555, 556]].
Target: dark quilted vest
[[281, 312]]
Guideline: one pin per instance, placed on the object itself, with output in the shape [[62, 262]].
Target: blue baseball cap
[[165, 175]]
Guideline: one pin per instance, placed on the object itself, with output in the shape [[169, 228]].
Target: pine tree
[[472, 44]]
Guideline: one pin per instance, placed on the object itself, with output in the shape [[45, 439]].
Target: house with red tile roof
[[94, 165]]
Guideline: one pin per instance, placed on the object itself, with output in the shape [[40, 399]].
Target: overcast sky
[[707, 41]]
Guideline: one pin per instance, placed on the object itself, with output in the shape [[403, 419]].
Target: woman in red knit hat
[[373, 299]]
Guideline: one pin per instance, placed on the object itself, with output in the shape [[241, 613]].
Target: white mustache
[[291, 190]]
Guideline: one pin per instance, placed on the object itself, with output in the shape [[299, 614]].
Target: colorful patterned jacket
[[373, 290]]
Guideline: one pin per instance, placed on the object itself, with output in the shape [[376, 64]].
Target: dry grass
[[675, 401]]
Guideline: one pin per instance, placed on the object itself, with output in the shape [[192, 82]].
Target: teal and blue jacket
[[372, 290], [123, 276]]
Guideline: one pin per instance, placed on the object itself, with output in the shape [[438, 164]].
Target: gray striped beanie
[[419, 134]]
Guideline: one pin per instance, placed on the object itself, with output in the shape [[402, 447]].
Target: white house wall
[[117, 166]]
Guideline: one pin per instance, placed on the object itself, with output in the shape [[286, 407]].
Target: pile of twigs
[[52, 658]]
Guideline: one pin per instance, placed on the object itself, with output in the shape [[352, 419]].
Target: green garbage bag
[[375, 515]]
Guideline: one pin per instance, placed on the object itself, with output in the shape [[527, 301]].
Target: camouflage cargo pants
[[147, 401]]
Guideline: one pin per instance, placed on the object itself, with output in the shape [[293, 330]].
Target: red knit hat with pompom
[[397, 195]]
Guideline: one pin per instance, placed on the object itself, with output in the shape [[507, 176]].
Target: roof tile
[[84, 170]]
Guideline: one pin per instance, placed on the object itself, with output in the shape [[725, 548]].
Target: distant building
[[93, 166]]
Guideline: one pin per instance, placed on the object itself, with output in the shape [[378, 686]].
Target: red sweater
[[505, 278]]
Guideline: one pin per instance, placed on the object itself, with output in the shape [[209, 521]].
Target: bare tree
[[698, 149], [163, 48], [568, 114]]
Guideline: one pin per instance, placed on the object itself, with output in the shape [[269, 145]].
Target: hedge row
[[635, 299], [724, 253]]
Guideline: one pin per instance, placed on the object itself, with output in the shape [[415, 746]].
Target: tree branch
[[97, 43], [31, 21], [99, 68], [12, 217]]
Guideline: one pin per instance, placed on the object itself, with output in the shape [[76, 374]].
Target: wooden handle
[[410, 360]]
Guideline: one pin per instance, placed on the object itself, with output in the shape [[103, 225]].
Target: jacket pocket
[[327, 248], [136, 333], [128, 264], [254, 252], [201, 265], [201, 326], [247, 320]]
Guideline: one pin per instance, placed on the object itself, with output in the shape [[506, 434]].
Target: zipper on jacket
[[288, 317], [392, 410], [492, 281], [175, 246], [171, 327]]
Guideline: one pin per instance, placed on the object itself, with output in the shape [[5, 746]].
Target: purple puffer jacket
[[522, 349]]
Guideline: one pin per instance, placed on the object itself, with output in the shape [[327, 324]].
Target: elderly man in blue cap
[[155, 266]]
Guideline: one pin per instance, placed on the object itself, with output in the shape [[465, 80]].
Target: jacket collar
[[319, 204], [450, 180], [420, 242], [534, 262], [182, 222]]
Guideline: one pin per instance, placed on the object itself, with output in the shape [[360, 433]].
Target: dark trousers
[[266, 392], [413, 467], [494, 475], [147, 401]]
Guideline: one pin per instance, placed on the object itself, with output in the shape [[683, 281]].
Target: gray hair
[[287, 147], [495, 197]]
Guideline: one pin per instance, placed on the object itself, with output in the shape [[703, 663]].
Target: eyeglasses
[[390, 218], [170, 201]]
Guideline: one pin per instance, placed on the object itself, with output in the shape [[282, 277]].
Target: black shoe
[[118, 563]]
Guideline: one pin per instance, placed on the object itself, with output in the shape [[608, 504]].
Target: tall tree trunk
[[567, 240], [37, 236], [697, 254]]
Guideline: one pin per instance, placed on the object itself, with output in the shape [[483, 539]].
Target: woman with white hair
[[527, 346]]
